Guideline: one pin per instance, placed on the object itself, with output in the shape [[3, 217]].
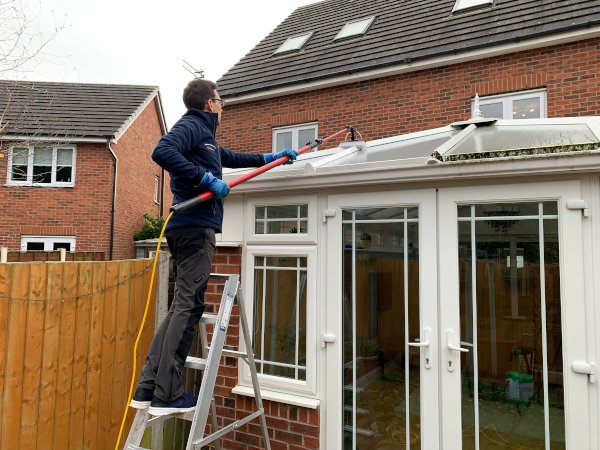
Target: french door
[[449, 310]]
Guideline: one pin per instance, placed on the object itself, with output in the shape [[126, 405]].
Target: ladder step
[[208, 318], [195, 363]]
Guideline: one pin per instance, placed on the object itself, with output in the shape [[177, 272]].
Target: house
[[432, 287], [78, 169]]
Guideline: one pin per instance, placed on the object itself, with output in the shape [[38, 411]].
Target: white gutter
[[40, 138], [441, 61]]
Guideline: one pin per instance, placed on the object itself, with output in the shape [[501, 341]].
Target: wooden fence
[[67, 332]]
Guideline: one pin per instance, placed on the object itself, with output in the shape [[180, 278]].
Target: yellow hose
[[137, 339]]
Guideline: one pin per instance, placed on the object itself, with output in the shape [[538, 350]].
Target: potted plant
[[365, 240], [369, 353]]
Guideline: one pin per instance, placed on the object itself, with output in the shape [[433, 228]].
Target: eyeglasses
[[221, 102]]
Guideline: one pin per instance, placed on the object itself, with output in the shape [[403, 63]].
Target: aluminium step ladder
[[209, 364]]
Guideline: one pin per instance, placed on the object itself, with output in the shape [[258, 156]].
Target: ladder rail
[[209, 364]]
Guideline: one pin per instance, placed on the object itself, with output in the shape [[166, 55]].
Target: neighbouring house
[[433, 288], [77, 165]]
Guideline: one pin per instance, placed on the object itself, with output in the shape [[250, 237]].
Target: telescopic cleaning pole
[[208, 195]]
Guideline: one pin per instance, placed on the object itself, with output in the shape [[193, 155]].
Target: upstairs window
[[41, 165], [517, 105], [293, 43], [296, 136], [467, 5], [355, 28]]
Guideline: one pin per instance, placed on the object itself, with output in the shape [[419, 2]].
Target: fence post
[[63, 254], [3, 254], [162, 307]]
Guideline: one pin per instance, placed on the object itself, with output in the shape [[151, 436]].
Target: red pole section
[[248, 176]]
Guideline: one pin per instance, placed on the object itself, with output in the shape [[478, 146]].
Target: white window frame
[[156, 188], [48, 242], [280, 387], [508, 99], [310, 237], [29, 181], [294, 129]]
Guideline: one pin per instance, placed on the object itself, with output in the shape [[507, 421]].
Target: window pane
[[58, 245], [42, 156], [280, 316], [282, 212], [35, 246], [283, 140], [19, 164], [63, 175], [19, 156], [64, 157], [492, 110], [527, 108], [305, 136], [42, 165]]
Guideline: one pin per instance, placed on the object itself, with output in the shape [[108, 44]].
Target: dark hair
[[198, 92]]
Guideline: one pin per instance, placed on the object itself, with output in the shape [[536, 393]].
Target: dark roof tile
[[73, 110], [403, 31]]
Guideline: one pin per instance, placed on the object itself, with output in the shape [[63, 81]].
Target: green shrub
[[151, 228]]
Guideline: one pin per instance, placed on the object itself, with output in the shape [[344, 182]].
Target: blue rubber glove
[[214, 185], [270, 157]]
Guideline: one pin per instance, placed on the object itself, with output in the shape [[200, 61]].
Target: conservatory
[[436, 290]]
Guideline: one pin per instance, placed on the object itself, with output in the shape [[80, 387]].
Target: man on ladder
[[190, 153]]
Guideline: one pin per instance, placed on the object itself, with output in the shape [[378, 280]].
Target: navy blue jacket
[[187, 152]]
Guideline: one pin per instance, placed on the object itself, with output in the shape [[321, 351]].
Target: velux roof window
[[355, 28], [467, 5], [293, 43]]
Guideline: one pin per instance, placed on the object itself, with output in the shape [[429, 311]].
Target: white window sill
[[280, 397]]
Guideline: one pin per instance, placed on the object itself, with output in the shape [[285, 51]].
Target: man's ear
[[208, 107]]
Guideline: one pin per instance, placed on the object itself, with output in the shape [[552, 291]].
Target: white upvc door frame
[[576, 386], [332, 411]]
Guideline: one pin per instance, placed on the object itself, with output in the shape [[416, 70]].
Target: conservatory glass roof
[[457, 143]]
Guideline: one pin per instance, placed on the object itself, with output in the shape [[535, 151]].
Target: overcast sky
[[145, 42]]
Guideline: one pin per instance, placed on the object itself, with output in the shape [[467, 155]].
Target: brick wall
[[425, 99], [135, 182], [84, 210]]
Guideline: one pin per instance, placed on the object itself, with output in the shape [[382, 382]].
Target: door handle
[[453, 349], [425, 345]]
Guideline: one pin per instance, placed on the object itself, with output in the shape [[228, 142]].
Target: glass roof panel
[[417, 147], [512, 140]]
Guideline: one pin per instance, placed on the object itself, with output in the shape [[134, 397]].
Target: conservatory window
[[281, 219], [283, 331]]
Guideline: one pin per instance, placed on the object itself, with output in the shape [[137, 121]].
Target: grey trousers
[[192, 249]]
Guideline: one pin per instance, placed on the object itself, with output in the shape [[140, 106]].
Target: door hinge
[[585, 368], [327, 213], [579, 203]]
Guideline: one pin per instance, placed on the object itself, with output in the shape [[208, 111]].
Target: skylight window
[[464, 5], [293, 43], [355, 28]]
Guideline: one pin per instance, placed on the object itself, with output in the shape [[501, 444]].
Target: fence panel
[[66, 342]]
